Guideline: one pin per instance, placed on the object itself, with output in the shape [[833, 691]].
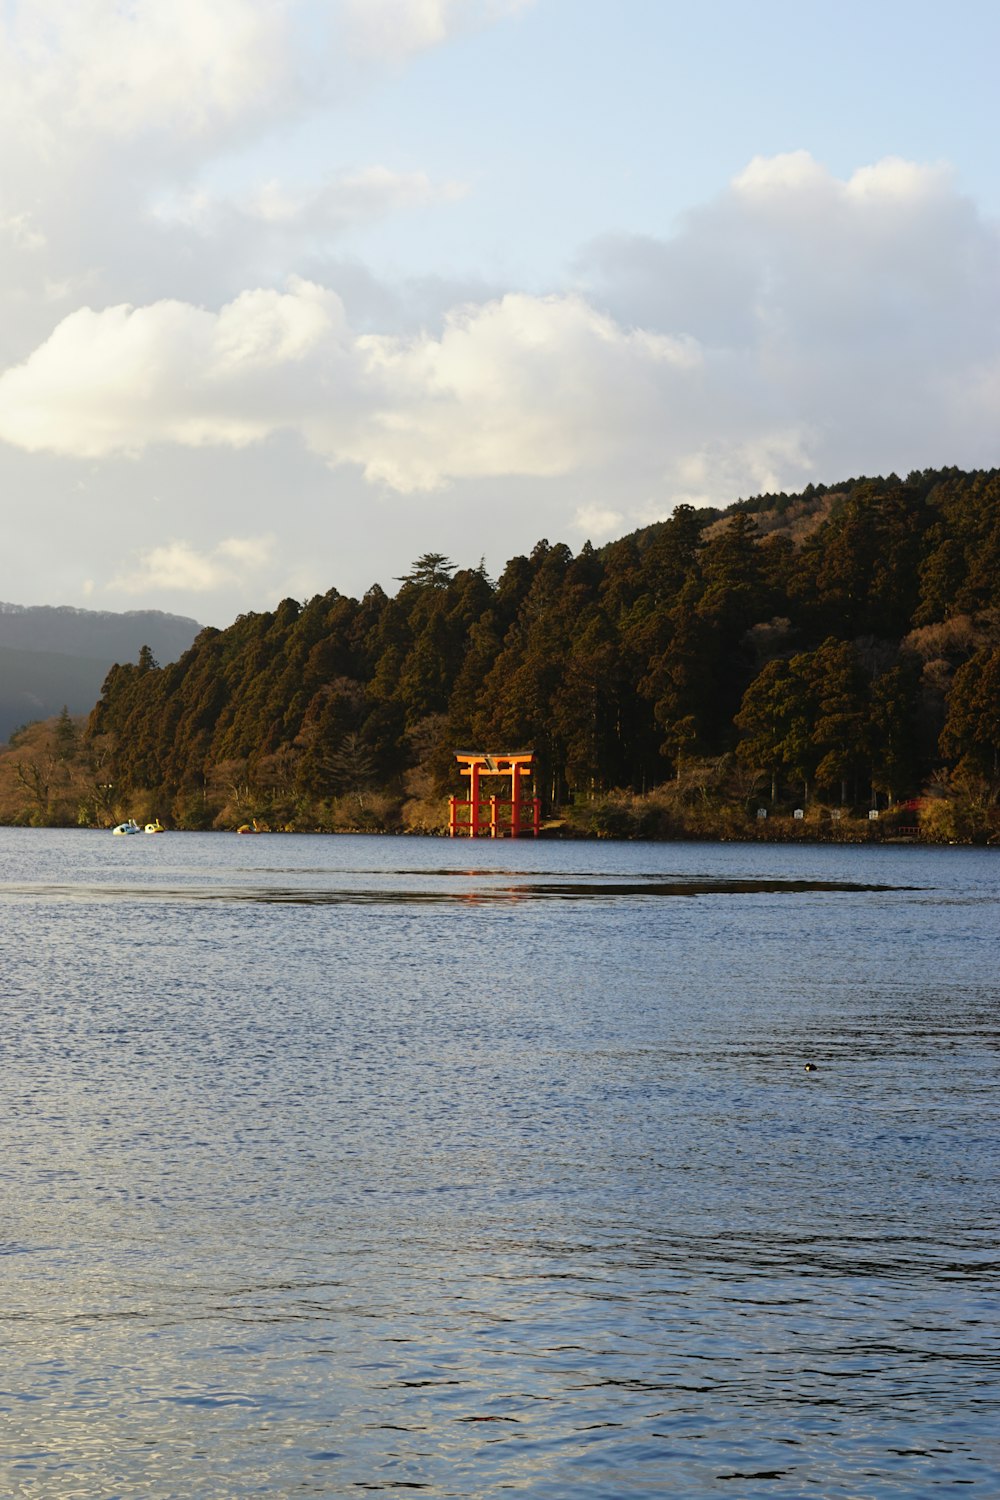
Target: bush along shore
[[51, 779], [831, 653]]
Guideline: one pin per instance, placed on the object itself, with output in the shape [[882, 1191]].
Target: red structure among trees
[[494, 816]]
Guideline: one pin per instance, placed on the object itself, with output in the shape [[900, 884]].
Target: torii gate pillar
[[505, 817]]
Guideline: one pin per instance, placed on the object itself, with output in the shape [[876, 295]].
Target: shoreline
[[562, 834]]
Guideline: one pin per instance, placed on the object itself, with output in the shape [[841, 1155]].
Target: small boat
[[129, 826], [248, 827], [155, 827]]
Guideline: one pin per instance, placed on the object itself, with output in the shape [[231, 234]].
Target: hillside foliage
[[845, 662]]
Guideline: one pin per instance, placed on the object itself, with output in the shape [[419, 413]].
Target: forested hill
[[819, 645]]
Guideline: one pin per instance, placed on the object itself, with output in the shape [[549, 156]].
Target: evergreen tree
[[432, 570], [971, 734], [838, 709], [65, 736]]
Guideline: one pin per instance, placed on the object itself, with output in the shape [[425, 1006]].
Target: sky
[[294, 291]]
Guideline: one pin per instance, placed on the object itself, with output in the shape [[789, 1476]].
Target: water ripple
[[509, 1178]]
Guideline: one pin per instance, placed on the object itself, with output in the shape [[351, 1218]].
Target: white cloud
[[796, 175], [109, 69], [892, 178], [598, 521], [177, 566], [395, 29], [525, 385], [117, 380], [107, 104], [76, 72], [350, 198], [124, 125], [336, 205], [797, 327], [791, 172], [846, 325], [248, 551], [20, 232]]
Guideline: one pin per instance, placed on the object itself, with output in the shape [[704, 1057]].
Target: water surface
[[334, 1165]]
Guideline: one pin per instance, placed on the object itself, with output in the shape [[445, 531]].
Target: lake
[[345, 1165]]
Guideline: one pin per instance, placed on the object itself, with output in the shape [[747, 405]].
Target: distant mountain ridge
[[51, 655], [95, 632]]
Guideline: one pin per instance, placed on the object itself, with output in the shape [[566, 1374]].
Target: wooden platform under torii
[[491, 816]]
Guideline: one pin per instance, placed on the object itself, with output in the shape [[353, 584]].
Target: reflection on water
[[322, 1178], [577, 889]]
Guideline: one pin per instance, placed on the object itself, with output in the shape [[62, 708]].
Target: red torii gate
[[505, 817]]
